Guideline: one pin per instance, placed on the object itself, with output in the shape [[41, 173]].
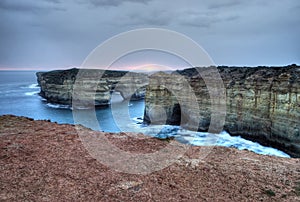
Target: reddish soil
[[44, 161]]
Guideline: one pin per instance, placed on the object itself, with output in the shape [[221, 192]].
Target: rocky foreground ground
[[44, 161]]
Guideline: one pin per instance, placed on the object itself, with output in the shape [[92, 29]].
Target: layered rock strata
[[87, 85], [261, 103]]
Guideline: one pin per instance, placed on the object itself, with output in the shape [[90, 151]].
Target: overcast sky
[[50, 34]]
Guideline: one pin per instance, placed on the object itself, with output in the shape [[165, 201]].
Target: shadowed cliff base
[[44, 161]]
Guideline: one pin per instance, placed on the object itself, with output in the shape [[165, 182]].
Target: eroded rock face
[[90, 85], [262, 103]]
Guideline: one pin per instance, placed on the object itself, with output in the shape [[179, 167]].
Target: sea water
[[19, 96]]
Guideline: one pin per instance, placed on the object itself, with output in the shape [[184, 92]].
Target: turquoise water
[[19, 96]]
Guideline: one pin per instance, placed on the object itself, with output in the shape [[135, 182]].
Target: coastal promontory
[[58, 86], [260, 103]]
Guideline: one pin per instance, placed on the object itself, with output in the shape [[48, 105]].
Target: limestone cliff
[[262, 103], [57, 86]]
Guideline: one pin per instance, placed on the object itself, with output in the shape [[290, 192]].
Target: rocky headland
[[97, 85], [261, 103], [44, 161]]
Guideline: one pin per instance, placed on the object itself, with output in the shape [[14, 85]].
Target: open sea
[[19, 96]]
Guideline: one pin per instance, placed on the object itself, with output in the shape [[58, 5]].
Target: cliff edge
[[44, 161]]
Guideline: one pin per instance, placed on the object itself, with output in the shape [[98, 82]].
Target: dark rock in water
[[262, 103], [167, 132], [90, 86]]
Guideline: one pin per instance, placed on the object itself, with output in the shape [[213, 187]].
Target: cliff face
[[57, 86], [262, 103]]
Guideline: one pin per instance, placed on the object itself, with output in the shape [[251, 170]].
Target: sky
[[56, 34]]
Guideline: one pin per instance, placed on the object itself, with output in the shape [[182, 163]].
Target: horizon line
[[131, 68]]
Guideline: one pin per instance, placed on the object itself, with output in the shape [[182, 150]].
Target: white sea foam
[[80, 108], [224, 139], [207, 139], [31, 93], [58, 106], [34, 85], [137, 120], [31, 86]]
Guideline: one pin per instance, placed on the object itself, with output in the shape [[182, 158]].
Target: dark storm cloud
[[29, 6], [204, 19], [54, 1], [217, 4], [99, 3], [150, 18], [194, 17]]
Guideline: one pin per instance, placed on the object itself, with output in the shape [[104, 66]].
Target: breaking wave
[[31, 93], [58, 106], [207, 139]]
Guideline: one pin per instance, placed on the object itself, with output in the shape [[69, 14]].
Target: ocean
[[19, 96]]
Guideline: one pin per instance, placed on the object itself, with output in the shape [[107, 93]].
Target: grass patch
[[168, 139], [297, 188], [283, 196], [269, 192]]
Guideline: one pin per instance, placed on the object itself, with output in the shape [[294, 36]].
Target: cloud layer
[[56, 33]]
